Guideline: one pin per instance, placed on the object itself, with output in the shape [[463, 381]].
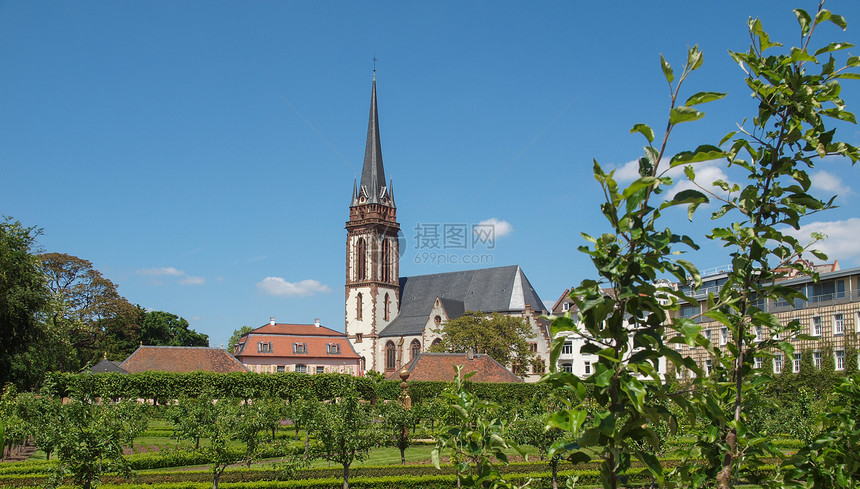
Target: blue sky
[[202, 154]]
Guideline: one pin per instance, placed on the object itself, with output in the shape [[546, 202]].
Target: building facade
[[302, 348], [391, 319]]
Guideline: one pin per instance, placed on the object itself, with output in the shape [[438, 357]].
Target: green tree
[[223, 427], [344, 431], [475, 438], [398, 423], [166, 329], [626, 328], [23, 293], [190, 416], [531, 429], [237, 335], [504, 338], [796, 90], [90, 440]]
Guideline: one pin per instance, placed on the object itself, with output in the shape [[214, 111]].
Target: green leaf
[[838, 20], [706, 152], [694, 58], [704, 97], [602, 379], [645, 130], [667, 70], [804, 20], [801, 55], [849, 76], [434, 457], [834, 46], [684, 114]]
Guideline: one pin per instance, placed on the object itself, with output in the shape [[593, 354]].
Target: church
[[391, 319]]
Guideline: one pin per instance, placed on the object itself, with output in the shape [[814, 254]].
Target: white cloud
[[501, 228], [279, 287], [828, 182], [161, 271], [841, 242], [189, 280]]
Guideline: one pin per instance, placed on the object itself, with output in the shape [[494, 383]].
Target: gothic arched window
[[390, 356], [385, 313], [362, 259], [362, 365], [358, 306], [415, 347], [436, 342], [386, 260]]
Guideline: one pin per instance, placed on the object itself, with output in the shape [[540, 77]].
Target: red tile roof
[[282, 346], [181, 359], [296, 329], [440, 366]]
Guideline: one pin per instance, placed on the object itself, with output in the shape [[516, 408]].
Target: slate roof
[[181, 359], [107, 366], [499, 289], [372, 173], [440, 367]]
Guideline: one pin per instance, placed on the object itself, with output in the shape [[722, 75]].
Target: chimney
[[470, 353], [317, 322], [272, 320]]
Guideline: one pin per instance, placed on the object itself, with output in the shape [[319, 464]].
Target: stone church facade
[[390, 319]]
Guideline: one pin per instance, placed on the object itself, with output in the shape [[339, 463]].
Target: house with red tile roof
[[181, 359], [441, 367], [303, 348]]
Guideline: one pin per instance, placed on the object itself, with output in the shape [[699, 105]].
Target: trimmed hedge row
[[165, 386]]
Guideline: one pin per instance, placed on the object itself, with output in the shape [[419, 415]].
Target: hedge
[[165, 386]]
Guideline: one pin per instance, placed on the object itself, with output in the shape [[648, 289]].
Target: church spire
[[372, 189]]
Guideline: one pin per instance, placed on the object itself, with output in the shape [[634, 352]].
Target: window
[[567, 367], [777, 363], [707, 334], [567, 348], [587, 368], [361, 262], [437, 320], [565, 306], [816, 359], [797, 359], [332, 349], [300, 348], [816, 326], [533, 347], [689, 310], [758, 363], [415, 346], [759, 333], [724, 336], [264, 347], [838, 324], [358, 337], [362, 364], [280, 368], [387, 307], [840, 359], [436, 342], [359, 304], [709, 366], [320, 370], [302, 369], [390, 356], [538, 367], [386, 260]]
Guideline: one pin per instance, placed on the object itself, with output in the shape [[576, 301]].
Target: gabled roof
[[500, 289], [373, 173], [282, 346], [440, 367], [107, 366], [181, 359]]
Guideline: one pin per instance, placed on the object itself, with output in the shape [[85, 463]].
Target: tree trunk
[[554, 464], [215, 480], [403, 456], [345, 476]]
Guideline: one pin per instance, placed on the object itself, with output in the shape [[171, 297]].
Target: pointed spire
[[372, 186]]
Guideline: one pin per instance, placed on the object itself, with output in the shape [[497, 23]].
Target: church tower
[[372, 251]]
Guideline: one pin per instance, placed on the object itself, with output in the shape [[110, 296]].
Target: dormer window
[[332, 349], [565, 306], [300, 347], [264, 347]]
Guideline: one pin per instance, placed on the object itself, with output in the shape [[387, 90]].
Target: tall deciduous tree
[[505, 338], [166, 329], [23, 292]]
